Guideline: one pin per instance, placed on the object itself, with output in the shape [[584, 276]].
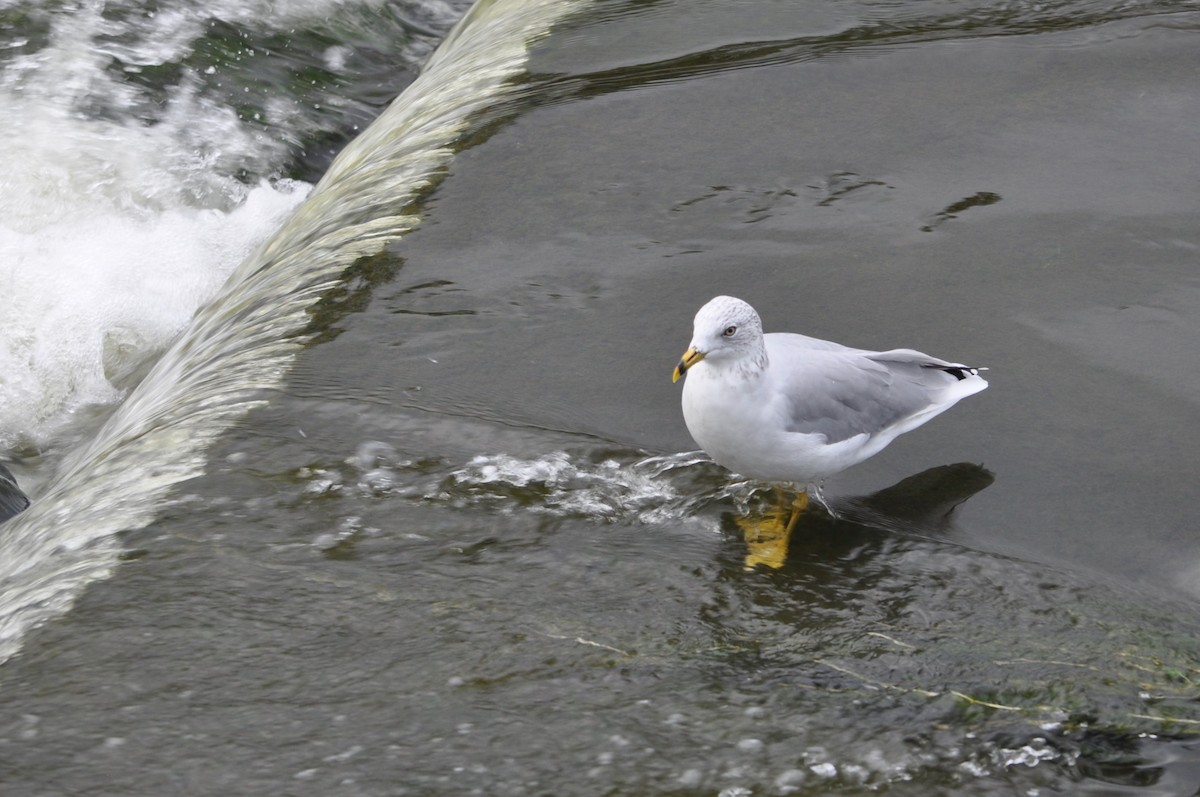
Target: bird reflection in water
[[923, 503]]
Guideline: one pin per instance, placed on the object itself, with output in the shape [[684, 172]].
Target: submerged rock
[[12, 500]]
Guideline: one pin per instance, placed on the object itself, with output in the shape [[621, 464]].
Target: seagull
[[795, 410]]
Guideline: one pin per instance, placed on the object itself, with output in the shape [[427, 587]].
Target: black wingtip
[[959, 372]]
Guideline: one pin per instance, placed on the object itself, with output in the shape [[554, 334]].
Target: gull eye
[[730, 331]]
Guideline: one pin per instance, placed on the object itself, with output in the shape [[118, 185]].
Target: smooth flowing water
[[374, 487]]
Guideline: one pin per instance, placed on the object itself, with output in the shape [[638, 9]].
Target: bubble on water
[[825, 769], [378, 481], [324, 542], [790, 781], [348, 528], [321, 481], [373, 454], [1028, 755], [854, 774]]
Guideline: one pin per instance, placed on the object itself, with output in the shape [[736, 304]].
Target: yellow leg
[[767, 535], [799, 506]]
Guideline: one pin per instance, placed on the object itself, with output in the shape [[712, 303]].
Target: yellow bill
[[690, 358]]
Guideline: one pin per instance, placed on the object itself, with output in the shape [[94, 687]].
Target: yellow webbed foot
[[767, 535]]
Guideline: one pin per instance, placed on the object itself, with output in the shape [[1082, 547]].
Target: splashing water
[[242, 342]]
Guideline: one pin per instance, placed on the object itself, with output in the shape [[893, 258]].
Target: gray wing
[[839, 392]]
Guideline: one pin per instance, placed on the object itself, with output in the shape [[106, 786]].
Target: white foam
[[112, 232], [120, 214], [86, 299], [611, 489]]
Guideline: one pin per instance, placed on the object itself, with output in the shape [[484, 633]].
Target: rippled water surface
[[443, 533]]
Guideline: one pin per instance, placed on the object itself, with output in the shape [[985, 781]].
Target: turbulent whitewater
[[240, 343]]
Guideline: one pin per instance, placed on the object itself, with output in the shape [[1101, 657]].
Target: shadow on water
[[921, 504]]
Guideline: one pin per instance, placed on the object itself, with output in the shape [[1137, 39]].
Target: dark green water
[[454, 554]]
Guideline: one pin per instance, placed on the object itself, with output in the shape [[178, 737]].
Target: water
[[401, 509]]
